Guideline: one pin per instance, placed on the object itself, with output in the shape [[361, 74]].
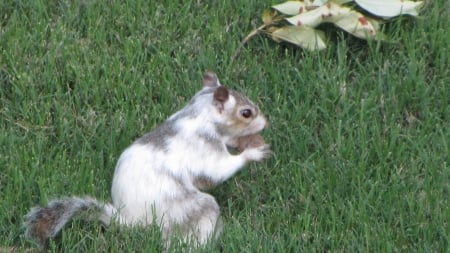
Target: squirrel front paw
[[257, 153], [253, 147]]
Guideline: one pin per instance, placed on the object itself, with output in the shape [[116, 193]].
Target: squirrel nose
[[266, 122]]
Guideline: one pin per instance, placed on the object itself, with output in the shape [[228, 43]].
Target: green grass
[[360, 131]]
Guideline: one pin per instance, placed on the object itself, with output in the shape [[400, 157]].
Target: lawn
[[360, 131]]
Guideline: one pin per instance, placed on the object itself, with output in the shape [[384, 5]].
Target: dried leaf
[[308, 18], [323, 2], [319, 2], [343, 17], [390, 8], [305, 15], [290, 7], [352, 21], [303, 36], [342, 1], [359, 26]]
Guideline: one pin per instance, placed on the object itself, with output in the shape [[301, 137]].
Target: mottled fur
[[42, 223], [160, 177]]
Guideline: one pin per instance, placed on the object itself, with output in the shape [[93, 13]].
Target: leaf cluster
[[296, 22]]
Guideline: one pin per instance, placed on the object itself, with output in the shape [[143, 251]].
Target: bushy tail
[[43, 223]]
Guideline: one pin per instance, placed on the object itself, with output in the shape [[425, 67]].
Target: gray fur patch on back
[[158, 136], [187, 112]]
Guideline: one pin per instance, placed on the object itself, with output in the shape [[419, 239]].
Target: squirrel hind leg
[[199, 222]]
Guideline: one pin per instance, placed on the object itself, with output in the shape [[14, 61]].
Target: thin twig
[[246, 39]]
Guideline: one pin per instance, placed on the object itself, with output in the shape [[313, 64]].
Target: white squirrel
[[161, 177]]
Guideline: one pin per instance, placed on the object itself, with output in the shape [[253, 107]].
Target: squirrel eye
[[246, 113]]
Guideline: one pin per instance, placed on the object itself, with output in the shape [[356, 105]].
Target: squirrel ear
[[220, 97], [221, 94], [210, 80]]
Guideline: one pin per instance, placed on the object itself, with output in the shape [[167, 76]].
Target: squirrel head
[[236, 114]]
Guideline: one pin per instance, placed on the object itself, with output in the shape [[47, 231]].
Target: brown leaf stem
[[246, 39]]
